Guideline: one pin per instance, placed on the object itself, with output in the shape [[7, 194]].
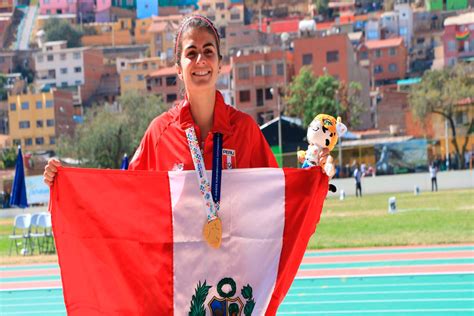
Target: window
[[46, 1], [16, 142], [378, 69], [12, 106], [76, 55], [39, 140], [49, 103], [50, 57], [52, 140], [403, 31], [171, 81], [140, 77], [50, 123], [420, 40], [258, 70], [232, 34], [307, 59], [332, 56], [243, 73], [39, 58], [169, 36], [126, 79], [364, 55], [52, 74], [392, 51], [378, 53], [171, 97], [244, 96], [235, 16], [78, 82], [25, 105], [461, 117], [62, 56], [259, 97], [268, 94], [158, 82], [205, 7], [24, 124], [267, 70], [392, 67], [28, 141], [280, 69], [77, 69], [39, 104], [220, 5], [63, 71], [39, 123], [451, 46]]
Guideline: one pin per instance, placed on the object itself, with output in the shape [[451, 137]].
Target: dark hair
[[195, 22]]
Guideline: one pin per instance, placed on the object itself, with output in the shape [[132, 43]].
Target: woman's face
[[199, 60]]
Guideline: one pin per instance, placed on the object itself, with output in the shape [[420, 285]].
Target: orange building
[[142, 36], [133, 74], [162, 31], [108, 34], [386, 60], [165, 83], [257, 79]]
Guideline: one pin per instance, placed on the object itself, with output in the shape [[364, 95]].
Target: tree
[[440, 92], [309, 96], [3, 90], [8, 157], [61, 30], [321, 6], [108, 133]]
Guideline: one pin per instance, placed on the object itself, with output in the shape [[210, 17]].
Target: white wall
[[460, 179]]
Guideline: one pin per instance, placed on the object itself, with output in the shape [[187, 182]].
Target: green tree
[[61, 30], [108, 133], [309, 96], [3, 90], [440, 92], [322, 6], [8, 157]]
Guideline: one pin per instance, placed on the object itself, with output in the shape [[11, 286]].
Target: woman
[[165, 146]]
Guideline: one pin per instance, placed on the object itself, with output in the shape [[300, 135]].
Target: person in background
[[357, 176], [434, 182]]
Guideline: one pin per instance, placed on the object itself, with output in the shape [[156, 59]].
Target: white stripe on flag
[[253, 216]]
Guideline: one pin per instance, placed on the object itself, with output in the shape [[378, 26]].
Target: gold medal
[[212, 233]]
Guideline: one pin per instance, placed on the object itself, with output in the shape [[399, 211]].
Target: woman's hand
[[323, 157], [50, 171]]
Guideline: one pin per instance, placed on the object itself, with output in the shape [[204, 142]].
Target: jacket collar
[[221, 122]]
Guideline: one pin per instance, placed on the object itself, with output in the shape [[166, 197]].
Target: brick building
[[257, 77]]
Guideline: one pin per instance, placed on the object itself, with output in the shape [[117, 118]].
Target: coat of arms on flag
[[139, 250], [225, 304], [228, 159]]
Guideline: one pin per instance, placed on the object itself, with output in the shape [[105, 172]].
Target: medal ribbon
[[211, 196]]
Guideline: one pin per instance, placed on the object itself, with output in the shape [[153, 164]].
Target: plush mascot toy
[[323, 132]]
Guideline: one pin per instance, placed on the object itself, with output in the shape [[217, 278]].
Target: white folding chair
[[21, 232], [45, 226]]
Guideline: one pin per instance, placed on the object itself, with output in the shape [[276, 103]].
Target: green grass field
[[429, 218]]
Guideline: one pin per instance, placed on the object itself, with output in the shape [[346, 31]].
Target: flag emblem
[[228, 158]]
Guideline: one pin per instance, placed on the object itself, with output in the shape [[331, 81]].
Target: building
[[405, 21], [38, 119], [458, 38], [147, 9], [125, 4], [277, 8], [244, 37], [48, 7], [385, 59], [163, 30], [142, 36], [78, 68], [6, 61], [448, 5], [133, 73], [373, 29], [257, 80], [7, 6], [224, 84], [109, 33], [102, 11], [334, 55], [165, 83]]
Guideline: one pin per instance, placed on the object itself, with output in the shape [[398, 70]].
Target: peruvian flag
[[130, 242]]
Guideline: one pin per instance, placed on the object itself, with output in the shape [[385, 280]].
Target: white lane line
[[381, 292]]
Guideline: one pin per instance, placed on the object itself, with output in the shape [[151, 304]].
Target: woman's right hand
[[50, 171]]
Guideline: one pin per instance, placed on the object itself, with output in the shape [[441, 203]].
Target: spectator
[[357, 177], [433, 172]]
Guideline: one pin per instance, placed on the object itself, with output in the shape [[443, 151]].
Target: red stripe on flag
[[303, 188], [115, 249]]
